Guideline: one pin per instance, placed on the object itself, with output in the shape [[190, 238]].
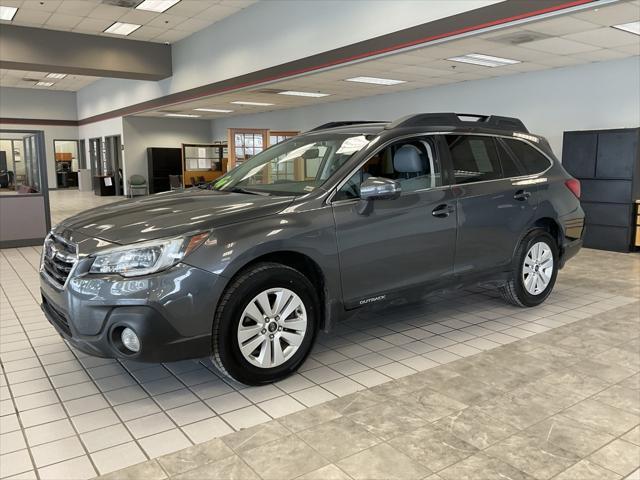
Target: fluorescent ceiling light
[[375, 81], [7, 13], [304, 94], [183, 115], [157, 5], [213, 110], [632, 27], [44, 84], [121, 28], [484, 60], [56, 75], [257, 104]]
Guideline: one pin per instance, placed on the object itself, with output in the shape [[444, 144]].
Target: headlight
[[146, 257]]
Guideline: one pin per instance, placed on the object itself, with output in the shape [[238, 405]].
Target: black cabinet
[[607, 163], [163, 162]]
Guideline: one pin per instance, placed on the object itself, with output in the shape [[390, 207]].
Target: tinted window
[[474, 158], [532, 160], [418, 169], [510, 166]]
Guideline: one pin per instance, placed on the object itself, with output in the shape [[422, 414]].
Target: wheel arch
[[301, 262]]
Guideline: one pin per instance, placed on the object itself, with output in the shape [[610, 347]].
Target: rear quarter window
[[531, 159]]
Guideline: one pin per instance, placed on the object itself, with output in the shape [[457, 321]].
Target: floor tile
[[190, 413], [586, 470], [94, 420], [230, 467], [78, 468], [145, 426], [49, 432], [245, 417], [14, 463], [382, 461], [165, 442], [618, 456], [228, 402], [11, 442], [283, 459], [57, 451], [281, 406], [105, 437], [338, 438], [602, 417], [313, 396], [208, 429], [490, 467], [118, 457]]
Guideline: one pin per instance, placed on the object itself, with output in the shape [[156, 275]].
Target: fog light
[[130, 340]]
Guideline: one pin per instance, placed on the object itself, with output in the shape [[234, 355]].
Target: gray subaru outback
[[248, 268]]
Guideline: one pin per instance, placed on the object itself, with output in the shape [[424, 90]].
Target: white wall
[[143, 132], [593, 96], [40, 104], [268, 34]]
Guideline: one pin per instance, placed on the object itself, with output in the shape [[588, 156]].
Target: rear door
[[493, 210]]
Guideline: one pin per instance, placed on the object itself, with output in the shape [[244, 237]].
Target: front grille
[[58, 259], [56, 315]]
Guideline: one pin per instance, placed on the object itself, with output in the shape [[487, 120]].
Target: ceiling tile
[[600, 55], [109, 12], [139, 17], [605, 37], [147, 33], [76, 7], [630, 49], [170, 36], [61, 20], [559, 46], [192, 25], [42, 5], [218, 12], [563, 25], [167, 21], [30, 17], [188, 8], [623, 12], [92, 25]]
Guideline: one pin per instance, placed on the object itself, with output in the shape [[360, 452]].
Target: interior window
[[474, 158], [532, 160], [412, 163], [510, 166]]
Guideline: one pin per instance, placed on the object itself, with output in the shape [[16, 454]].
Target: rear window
[[474, 158], [531, 159]]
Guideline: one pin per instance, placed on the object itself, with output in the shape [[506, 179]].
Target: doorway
[[67, 158]]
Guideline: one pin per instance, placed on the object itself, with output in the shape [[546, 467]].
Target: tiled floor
[[67, 415], [67, 202]]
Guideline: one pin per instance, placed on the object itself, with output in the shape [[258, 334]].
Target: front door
[[493, 211], [399, 243]]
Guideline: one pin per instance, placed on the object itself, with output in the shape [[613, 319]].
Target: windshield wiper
[[244, 190]]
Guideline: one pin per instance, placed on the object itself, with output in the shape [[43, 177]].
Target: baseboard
[[27, 242]]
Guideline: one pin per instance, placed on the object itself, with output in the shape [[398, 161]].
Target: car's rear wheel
[[535, 268], [265, 324]]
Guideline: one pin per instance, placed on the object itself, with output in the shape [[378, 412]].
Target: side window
[[510, 165], [474, 158], [532, 160], [410, 162]]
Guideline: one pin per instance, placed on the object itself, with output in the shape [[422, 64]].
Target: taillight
[[573, 185]]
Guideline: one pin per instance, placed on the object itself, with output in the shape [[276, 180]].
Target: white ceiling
[[94, 16], [569, 39], [22, 79]]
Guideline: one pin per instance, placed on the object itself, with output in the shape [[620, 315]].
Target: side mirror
[[379, 188]]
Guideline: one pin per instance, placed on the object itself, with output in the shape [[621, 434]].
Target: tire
[[521, 289], [282, 344]]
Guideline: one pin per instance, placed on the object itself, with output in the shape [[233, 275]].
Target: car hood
[[169, 214]]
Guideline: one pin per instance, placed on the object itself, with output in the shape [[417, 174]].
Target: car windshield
[[294, 167]]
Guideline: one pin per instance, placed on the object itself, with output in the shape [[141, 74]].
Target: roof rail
[[460, 119], [345, 123]]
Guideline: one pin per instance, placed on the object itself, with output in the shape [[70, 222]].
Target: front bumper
[[171, 312]]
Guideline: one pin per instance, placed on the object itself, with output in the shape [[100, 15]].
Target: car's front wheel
[[265, 324], [534, 270]]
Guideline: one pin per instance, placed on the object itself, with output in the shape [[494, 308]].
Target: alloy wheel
[[538, 268], [272, 327]]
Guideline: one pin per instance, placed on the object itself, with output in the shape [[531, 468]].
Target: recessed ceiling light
[[7, 13], [213, 110], [121, 28], [157, 5], [44, 84], [257, 104], [484, 60], [182, 115], [56, 75], [631, 27], [304, 94], [375, 81]]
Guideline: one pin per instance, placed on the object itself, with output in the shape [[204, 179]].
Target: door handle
[[442, 211], [522, 195]]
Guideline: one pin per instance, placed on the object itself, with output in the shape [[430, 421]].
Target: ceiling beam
[[40, 50]]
